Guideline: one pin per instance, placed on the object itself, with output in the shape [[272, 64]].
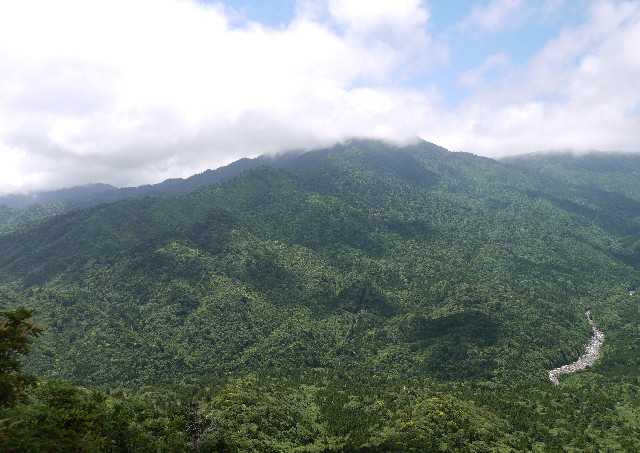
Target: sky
[[131, 92]]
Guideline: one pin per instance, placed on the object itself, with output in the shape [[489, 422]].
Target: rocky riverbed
[[591, 354]]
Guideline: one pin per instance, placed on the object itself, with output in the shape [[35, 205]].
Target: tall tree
[[17, 329]]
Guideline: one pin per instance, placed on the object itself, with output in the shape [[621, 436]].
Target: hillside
[[611, 172], [351, 279], [611, 181], [21, 211]]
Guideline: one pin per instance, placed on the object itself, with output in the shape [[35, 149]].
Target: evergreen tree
[[16, 332]]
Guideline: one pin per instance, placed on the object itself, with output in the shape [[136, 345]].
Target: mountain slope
[[610, 182], [613, 173], [345, 267], [19, 212], [402, 242]]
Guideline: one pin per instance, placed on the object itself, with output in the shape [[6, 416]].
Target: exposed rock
[[591, 354]]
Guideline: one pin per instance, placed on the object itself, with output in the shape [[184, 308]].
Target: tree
[[16, 332], [198, 426]]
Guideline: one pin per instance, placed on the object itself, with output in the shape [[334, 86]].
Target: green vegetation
[[360, 298]]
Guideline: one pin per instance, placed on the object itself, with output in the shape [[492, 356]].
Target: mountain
[[20, 211], [609, 180], [80, 193], [611, 172], [95, 194], [358, 298]]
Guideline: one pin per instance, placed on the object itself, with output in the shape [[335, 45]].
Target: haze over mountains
[[343, 281]]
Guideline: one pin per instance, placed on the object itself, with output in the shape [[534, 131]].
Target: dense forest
[[364, 297]]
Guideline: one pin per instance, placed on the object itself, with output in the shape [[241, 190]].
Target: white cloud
[[581, 91], [499, 15], [475, 77], [551, 6], [129, 92], [496, 15]]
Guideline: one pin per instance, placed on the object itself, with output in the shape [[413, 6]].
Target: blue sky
[[277, 13], [135, 91]]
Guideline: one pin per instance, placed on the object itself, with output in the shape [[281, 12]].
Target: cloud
[[474, 77], [551, 6], [495, 16], [581, 92], [131, 92], [499, 15]]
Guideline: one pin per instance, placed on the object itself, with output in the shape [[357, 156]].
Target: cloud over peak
[[133, 92], [173, 81]]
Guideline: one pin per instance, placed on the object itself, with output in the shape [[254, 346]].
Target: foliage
[[16, 330], [60, 417], [359, 298]]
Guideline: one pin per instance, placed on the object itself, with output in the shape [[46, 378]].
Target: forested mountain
[[610, 181], [21, 211], [364, 297], [611, 173], [94, 194]]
